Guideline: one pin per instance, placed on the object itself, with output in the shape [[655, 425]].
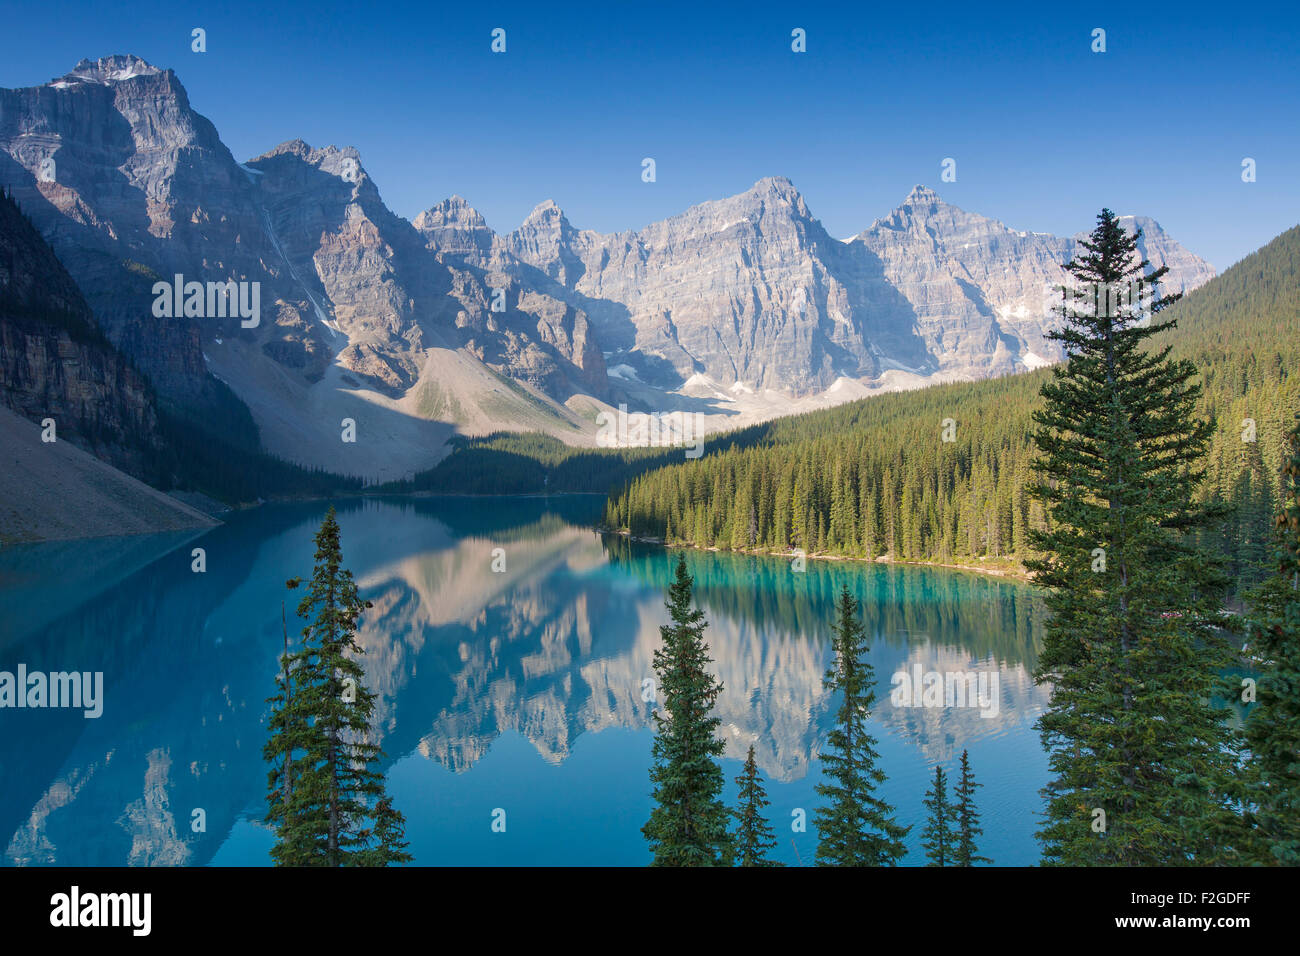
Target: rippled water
[[518, 690]]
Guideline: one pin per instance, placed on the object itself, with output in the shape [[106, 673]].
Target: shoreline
[[1011, 573]]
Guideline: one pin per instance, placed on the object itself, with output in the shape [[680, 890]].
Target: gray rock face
[[538, 314], [129, 184], [56, 364], [751, 289], [980, 293], [142, 188], [455, 228]]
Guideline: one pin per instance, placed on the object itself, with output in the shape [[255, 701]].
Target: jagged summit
[[306, 152], [775, 185], [545, 211], [345, 163], [921, 195], [454, 211], [108, 70], [770, 190], [293, 147], [920, 206]]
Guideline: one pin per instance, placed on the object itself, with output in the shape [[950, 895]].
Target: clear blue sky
[[1044, 131]]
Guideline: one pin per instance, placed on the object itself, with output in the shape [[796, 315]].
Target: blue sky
[[1044, 131]]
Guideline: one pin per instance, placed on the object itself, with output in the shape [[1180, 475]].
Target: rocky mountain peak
[[746, 290], [109, 69], [454, 227], [292, 147], [922, 196], [329, 159], [776, 191], [776, 186], [546, 212], [921, 209], [452, 212]]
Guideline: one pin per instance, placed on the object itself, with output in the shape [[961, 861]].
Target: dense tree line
[[876, 477], [1271, 777], [218, 453]]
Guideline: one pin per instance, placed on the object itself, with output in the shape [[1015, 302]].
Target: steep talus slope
[[52, 491], [61, 378]]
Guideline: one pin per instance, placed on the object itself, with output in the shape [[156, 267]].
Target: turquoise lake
[[519, 689]]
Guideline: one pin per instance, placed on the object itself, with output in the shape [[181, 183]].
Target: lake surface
[[519, 690]]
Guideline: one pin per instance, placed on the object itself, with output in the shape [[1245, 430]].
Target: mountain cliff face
[[389, 298], [132, 186], [749, 290], [54, 361], [129, 184], [752, 290], [56, 365], [979, 293], [743, 307]]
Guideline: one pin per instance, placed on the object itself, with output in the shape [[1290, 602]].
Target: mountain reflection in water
[[519, 689]]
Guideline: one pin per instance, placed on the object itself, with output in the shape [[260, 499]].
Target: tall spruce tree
[[856, 828], [1247, 538], [968, 818], [1140, 760], [688, 825], [754, 835], [938, 834], [327, 802], [1273, 725]]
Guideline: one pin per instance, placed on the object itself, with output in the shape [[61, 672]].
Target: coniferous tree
[[1252, 513], [856, 828], [968, 818], [937, 836], [1273, 726], [1140, 760], [754, 835], [688, 825], [328, 804]]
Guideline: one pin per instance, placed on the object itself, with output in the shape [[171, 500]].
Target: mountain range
[[742, 308]]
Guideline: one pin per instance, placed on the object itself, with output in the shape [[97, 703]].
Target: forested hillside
[[876, 477], [510, 463]]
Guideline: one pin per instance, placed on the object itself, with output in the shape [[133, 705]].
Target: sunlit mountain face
[[510, 648], [740, 308]]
